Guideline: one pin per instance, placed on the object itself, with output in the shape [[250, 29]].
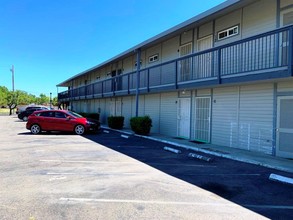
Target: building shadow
[[244, 184]]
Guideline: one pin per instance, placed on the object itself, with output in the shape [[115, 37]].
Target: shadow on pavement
[[245, 184]]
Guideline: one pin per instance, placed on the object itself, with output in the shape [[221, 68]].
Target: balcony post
[[219, 66], [103, 88], [148, 79], [290, 55], [176, 74], [128, 84], [138, 55]]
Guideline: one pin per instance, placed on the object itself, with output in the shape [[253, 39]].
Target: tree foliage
[[13, 99], [3, 95]]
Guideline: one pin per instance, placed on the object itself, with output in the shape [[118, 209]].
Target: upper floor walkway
[[264, 56]]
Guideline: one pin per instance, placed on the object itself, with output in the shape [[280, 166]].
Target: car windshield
[[75, 114]]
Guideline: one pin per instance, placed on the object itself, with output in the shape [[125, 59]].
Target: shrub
[[141, 125], [116, 122]]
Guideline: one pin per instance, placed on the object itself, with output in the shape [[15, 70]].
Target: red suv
[[60, 120]]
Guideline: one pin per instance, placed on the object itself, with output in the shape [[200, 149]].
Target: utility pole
[[12, 71], [12, 104]]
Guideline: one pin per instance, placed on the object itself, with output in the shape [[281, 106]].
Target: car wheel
[[79, 129], [35, 129], [24, 118]]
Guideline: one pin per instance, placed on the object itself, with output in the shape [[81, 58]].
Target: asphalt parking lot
[[106, 176], [244, 184]]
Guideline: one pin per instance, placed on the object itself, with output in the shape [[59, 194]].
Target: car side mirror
[[68, 118]]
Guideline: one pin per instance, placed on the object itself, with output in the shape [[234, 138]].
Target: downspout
[[138, 55]]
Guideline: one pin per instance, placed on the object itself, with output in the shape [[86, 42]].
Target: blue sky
[[48, 41]]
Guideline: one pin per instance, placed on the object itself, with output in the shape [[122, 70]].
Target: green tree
[[3, 95], [24, 98], [42, 99], [12, 100], [55, 101]]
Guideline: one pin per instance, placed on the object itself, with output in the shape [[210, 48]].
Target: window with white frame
[[153, 58], [287, 17], [228, 32]]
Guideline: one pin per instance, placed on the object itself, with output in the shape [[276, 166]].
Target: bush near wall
[[116, 122], [95, 116], [141, 125]]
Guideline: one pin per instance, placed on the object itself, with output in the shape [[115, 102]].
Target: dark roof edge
[[194, 19]]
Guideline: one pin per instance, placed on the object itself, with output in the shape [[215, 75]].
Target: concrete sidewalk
[[221, 151]]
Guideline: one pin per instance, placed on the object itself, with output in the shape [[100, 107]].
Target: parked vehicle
[[60, 120], [20, 109], [29, 110]]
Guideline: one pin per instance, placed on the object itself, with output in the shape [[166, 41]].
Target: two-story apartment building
[[223, 77]]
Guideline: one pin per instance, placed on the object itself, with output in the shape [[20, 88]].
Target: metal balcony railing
[[268, 52]]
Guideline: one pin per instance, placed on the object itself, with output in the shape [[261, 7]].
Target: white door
[[183, 117], [112, 108], [202, 119], [203, 62], [284, 133], [118, 108], [185, 65]]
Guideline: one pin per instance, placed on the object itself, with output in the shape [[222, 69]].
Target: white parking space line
[[57, 178], [224, 174], [87, 161], [61, 173], [93, 173], [144, 202], [280, 178], [269, 206], [181, 165], [121, 162]]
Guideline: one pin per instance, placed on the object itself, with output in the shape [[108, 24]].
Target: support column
[[138, 55]]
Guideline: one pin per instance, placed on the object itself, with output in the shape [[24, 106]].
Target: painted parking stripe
[[224, 174], [57, 178], [279, 178], [95, 173], [121, 162], [144, 202], [60, 173], [269, 206], [86, 161], [181, 165]]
